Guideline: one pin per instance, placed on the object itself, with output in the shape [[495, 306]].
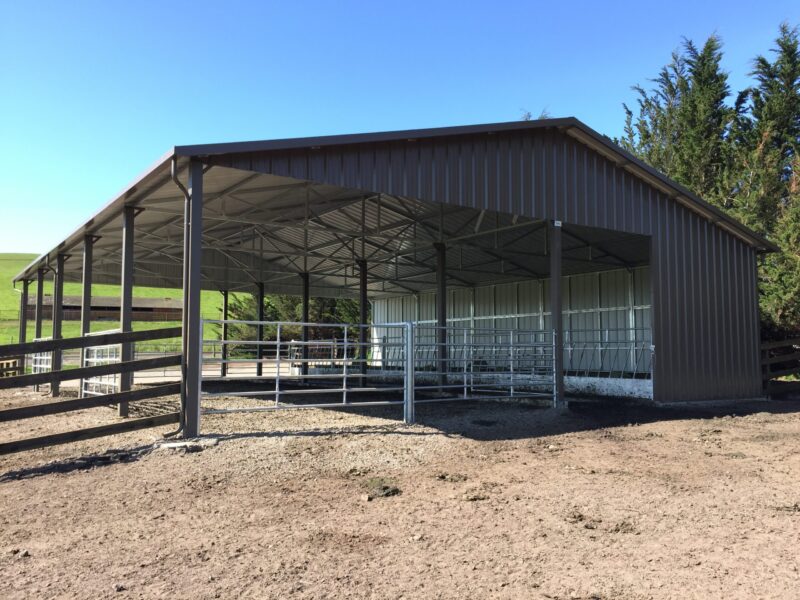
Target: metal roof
[[257, 226]]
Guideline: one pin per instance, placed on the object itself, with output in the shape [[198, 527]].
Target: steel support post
[[38, 316], [408, 384], [260, 330], [58, 316], [23, 311], [86, 296], [363, 313], [306, 298], [223, 365], [554, 236], [441, 311], [193, 334], [23, 322], [126, 300]]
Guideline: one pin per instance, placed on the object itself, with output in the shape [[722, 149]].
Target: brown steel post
[[86, 296], [23, 323], [306, 298], [193, 332], [38, 316], [260, 330], [554, 236], [23, 312], [126, 300], [441, 311], [58, 315], [363, 313], [223, 368]]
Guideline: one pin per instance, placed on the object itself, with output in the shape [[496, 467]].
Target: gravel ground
[[477, 500]]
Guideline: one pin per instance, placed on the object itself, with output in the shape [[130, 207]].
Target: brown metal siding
[[705, 320]]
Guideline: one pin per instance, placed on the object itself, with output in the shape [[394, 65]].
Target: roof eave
[[673, 189], [102, 216]]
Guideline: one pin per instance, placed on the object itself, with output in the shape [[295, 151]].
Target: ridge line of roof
[[364, 138]]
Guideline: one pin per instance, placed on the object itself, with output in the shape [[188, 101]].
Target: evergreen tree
[[743, 158], [682, 124], [286, 308], [653, 134], [767, 134], [780, 284]]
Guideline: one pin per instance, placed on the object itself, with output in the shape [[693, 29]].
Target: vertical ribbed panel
[[704, 316]]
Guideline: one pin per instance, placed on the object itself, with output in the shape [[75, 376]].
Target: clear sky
[[91, 93]]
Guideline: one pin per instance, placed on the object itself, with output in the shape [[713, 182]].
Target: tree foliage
[[284, 308], [740, 156]]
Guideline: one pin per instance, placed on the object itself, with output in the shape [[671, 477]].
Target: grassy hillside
[[11, 264]]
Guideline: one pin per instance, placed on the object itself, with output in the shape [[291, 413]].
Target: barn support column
[[58, 316], [23, 322], [223, 365], [193, 357], [23, 312], [363, 317], [441, 311], [126, 300], [260, 329], [86, 285], [86, 295], [304, 316], [37, 318], [554, 236]]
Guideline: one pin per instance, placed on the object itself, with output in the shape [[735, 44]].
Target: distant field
[[11, 264]]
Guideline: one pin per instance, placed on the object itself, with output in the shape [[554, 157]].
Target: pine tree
[[683, 123], [653, 134], [780, 283], [704, 120], [742, 158], [767, 134]]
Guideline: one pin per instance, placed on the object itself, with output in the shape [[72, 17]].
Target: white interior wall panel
[[599, 309]]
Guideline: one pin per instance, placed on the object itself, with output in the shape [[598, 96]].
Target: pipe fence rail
[[313, 365]]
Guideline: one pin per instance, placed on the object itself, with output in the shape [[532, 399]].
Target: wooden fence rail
[[50, 408], [779, 359], [88, 433], [10, 366], [86, 341], [85, 372]]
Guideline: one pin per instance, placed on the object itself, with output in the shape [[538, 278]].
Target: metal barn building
[[513, 259]]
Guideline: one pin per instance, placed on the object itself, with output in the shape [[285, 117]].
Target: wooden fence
[[62, 406], [778, 361], [10, 366]]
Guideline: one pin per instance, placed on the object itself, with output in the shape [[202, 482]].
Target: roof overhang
[[154, 186]]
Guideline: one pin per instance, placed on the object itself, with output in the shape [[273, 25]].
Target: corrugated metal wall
[[608, 303], [705, 319]]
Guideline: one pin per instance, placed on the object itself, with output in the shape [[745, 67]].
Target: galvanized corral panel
[[705, 320], [521, 306]]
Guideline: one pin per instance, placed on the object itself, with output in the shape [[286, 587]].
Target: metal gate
[[283, 365], [94, 356], [41, 362]]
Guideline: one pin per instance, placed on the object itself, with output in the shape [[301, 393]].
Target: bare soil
[[490, 500]]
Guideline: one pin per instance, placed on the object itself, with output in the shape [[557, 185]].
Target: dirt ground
[[486, 500]]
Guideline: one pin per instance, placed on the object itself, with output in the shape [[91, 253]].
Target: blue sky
[[91, 93]]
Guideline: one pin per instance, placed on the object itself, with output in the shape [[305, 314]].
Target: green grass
[[11, 264]]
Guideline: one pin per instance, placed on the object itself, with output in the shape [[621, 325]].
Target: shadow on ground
[[489, 420], [478, 420], [81, 463]]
